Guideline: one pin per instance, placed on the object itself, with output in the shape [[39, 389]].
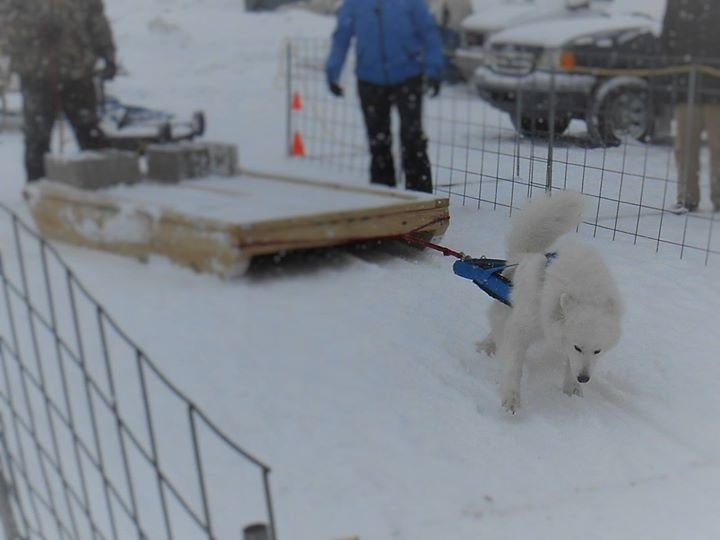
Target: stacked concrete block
[[224, 160], [93, 169], [175, 162]]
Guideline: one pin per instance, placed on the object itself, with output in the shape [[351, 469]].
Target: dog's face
[[589, 331]]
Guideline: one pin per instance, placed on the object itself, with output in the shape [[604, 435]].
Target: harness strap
[[487, 274]]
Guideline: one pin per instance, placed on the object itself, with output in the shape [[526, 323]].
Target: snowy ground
[[354, 373]]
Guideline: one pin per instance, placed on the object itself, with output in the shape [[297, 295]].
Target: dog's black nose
[[582, 378]]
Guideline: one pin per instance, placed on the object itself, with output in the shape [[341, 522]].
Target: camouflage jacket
[[690, 29], [55, 39], [690, 36]]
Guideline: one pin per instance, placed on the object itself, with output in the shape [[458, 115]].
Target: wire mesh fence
[[97, 443], [605, 129]]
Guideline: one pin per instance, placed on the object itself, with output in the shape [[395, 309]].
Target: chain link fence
[[514, 129], [95, 441]]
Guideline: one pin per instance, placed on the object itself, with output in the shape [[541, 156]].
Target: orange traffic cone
[[297, 103], [298, 148]]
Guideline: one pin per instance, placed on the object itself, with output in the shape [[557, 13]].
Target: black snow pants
[[377, 101], [42, 102]]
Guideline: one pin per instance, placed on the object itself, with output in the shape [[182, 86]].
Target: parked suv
[[565, 70]]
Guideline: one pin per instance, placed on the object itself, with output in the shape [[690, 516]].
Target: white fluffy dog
[[570, 299]]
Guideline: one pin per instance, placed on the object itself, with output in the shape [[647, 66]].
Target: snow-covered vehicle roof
[[497, 18], [495, 15], [655, 9], [556, 33]]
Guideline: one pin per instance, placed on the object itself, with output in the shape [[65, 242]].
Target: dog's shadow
[[542, 384], [478, 377]]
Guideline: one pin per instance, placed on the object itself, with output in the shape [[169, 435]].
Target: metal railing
[[497, 156], [96, 441]]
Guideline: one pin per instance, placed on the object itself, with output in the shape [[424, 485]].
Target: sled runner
[[487, 274], [130, 127]]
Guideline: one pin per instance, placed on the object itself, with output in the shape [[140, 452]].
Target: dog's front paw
[[511, 400], [486, 346], [573, 389]]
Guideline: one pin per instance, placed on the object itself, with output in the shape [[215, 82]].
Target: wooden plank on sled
[[217, 225]]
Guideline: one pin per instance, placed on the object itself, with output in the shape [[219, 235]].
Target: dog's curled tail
[[535, 228]]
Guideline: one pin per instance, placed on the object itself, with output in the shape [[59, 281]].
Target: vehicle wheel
[[534, 126], [621, 109]]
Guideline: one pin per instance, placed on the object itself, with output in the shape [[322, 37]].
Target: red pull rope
[[413, 239]]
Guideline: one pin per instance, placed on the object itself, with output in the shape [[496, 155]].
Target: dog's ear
[[566, 303]]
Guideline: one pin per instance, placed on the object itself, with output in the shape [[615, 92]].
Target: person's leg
[[39, 112], [687, 153], [375, 103], [79, 102], [712, 124], [409, 97]]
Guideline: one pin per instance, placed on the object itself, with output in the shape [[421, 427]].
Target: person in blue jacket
[[398, 55]]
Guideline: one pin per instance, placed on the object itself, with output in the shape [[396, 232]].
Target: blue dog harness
[[487, 274]]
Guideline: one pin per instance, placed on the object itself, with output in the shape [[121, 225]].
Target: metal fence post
[[551, 132], [518, 128], [269, 503], [288, 97], [10, 527], [689, 143], [7, 516], [689, 125]]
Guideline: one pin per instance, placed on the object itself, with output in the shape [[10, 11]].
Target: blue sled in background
[[131, 127]]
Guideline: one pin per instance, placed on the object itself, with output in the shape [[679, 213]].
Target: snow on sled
[[218, 225], [134, 128]]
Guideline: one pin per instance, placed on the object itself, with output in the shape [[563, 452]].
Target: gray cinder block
[[181, 161], [224, 160], [93, 169]]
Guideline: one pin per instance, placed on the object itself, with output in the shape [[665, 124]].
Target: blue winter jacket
[[394, 41]]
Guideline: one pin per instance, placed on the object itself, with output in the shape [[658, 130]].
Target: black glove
[[109, 71], [336, 89], [433, 87]]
